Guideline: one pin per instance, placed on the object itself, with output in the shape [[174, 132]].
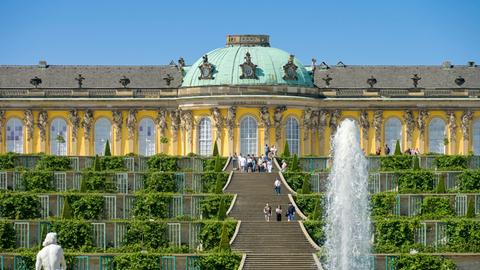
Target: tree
[[107, 151], [286, 149], [306, 186], [470, 209], [222, 212], [96, 164], [316, 211], [416, 163], [215, 150], [441, 185], [219, 184], [294, 167], [224, 239], [218, 164], [67, 209], [398, 151]]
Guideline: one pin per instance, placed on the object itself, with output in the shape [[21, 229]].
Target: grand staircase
[[268, 245]]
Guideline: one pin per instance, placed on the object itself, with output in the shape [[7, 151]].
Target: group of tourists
[[250, 163], [387, 151], [290, 214]]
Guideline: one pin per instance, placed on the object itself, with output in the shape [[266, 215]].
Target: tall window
[[436, 135], [102, 133], [476, 137], [205, 137], [146, 137], [58, 137], [393, 132], [248, 135], [14, 135], [292, 135]]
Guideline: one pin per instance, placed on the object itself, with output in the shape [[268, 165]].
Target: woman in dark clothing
[[278, 211]]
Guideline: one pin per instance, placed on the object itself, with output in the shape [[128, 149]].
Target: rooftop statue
[[51, 256]]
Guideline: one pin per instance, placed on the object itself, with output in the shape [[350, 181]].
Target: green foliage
[[110, 163], [97, 181], [309, 204], [224, 237], [106, 151], [294, 165], [455, 162], [54, 163], [383, 203], [72, 233], [149, 234], [7, 235], [7, 161], [392, 235], [295, 179], [441, 185], [416, 163], [96, 164], [436, 207], [19, 205], [87, 207], [218, 164], [471, 208], [150, 205], [469, 180], [222, 211], [415, 181], [219, 184], [315, 230], [67, 211], [211, 233], [398, 151], [286, 150], [209, 163], [163, 140], [463, 235], [395, 162], [160, 182], [27, 258], [136, 261], [162, 162], [424, 262], [306, 188], [219, 261], [214, 182], [210, 206], [215, 150], [38, 181]]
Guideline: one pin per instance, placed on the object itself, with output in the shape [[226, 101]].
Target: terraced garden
[[424, 209], [115, 212]]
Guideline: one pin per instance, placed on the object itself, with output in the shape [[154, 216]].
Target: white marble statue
[[51, 256]]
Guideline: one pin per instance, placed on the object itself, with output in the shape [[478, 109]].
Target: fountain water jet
[[347, 226]]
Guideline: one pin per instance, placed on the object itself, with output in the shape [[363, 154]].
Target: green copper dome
[[227, 70]]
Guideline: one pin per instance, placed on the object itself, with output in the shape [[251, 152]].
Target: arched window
[[15, 135], [58, 137], [436, 135], [292, 135], [393, 132], [102, 133], [248, 135], [205, 137], [476, 137], [146, 137]]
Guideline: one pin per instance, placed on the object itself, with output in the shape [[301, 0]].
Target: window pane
[[393, 132], [58, 137], [205, 137], [292, 135], [248, 136], [476, 137], [436, 135], [146, 137], [14, 135], [102, 133]]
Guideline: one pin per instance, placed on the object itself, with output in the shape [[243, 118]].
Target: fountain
[[347, 226]]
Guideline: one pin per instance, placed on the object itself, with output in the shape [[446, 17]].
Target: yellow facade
[[317, 144]]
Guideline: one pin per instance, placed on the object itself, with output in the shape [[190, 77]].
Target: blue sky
[[97, 32]]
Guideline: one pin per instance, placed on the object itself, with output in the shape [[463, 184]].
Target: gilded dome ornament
[[248, 68], [206, 69], [290, 70]]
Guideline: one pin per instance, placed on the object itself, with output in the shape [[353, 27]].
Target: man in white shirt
[[277, 185], [242, 163]]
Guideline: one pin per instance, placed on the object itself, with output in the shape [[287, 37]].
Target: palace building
[[241, 96]]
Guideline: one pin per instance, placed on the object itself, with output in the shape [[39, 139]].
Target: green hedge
[[151, 205], [219, 261], [162, 162], [38, 181], [95, 181], [414, 181], [463, 235], [211, 231], [160, 182], [469, 180], [73, 234], [88, 207], [307, 204], [7, 235], [393, 235], [209, 180], [7, 161], [211, 204], [396, 162], [437, 207], [295, 179], [423, 262], [382, 203], [147, 234], [315, 230], [452, 163], [53, 163], [19, 205], [112, 163]]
